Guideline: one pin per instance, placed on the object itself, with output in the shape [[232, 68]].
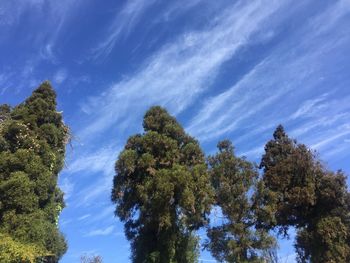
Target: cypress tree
[[162, 191], [32, 147]]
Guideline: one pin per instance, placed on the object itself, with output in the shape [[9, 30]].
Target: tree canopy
[[162, 190], [32, 147], [236, 239], [297, 190]]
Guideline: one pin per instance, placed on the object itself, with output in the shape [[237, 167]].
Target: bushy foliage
[[17, 252], [236, 239], [162, 191], [32, 148], [297, 190]]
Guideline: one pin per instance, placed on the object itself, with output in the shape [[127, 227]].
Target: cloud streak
[[180, 71], [261, 89], [123, 23], [100, 232]]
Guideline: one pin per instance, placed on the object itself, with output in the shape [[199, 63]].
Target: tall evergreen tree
[[32, 147], [289, 173], [296, 190], [162, 191], [236, 239]]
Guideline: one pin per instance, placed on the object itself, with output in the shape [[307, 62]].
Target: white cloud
[[253, 153], [123, 23], [100, 232], [4, 83], [83, 217], [95, 162], [268, 85], [60, 76], [326, 139], [180, 71], [46, 53], [90, 163], [308, 106], [326, 116], [337, 11], [67, 187], [11, 11], [176, 8], [88, 195], [106, 212]]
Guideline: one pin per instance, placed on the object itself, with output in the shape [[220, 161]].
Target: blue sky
[[225, 69]]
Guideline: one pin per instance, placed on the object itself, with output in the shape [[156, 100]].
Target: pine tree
[[162, 191], [32, 148], [236, 239]]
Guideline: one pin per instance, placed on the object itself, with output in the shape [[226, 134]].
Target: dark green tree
[[297, 190], [236, 239], [162, 191], [289, 175], [32, 147], [326, 236]]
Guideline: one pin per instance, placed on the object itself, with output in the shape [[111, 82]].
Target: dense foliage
[[32, 148], [296, 190], [236, 239], [162, 191]]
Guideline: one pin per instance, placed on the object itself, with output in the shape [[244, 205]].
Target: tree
[[297, 190], [162, 190], [236, 239], [32, 147], [289, 173], [326, 237], [14, 252]]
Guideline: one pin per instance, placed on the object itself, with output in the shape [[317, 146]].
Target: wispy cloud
[[308, 106], [67, 187], [100, 187], [11, 11], [326, 115], [177, 8], [253, 153], [122, 25], [41, 35], [100, 232], [60, 76], [105, 212], [180, 71], [84, 217], [94, 162], [328, 138], [261, 88], [90, 164]]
